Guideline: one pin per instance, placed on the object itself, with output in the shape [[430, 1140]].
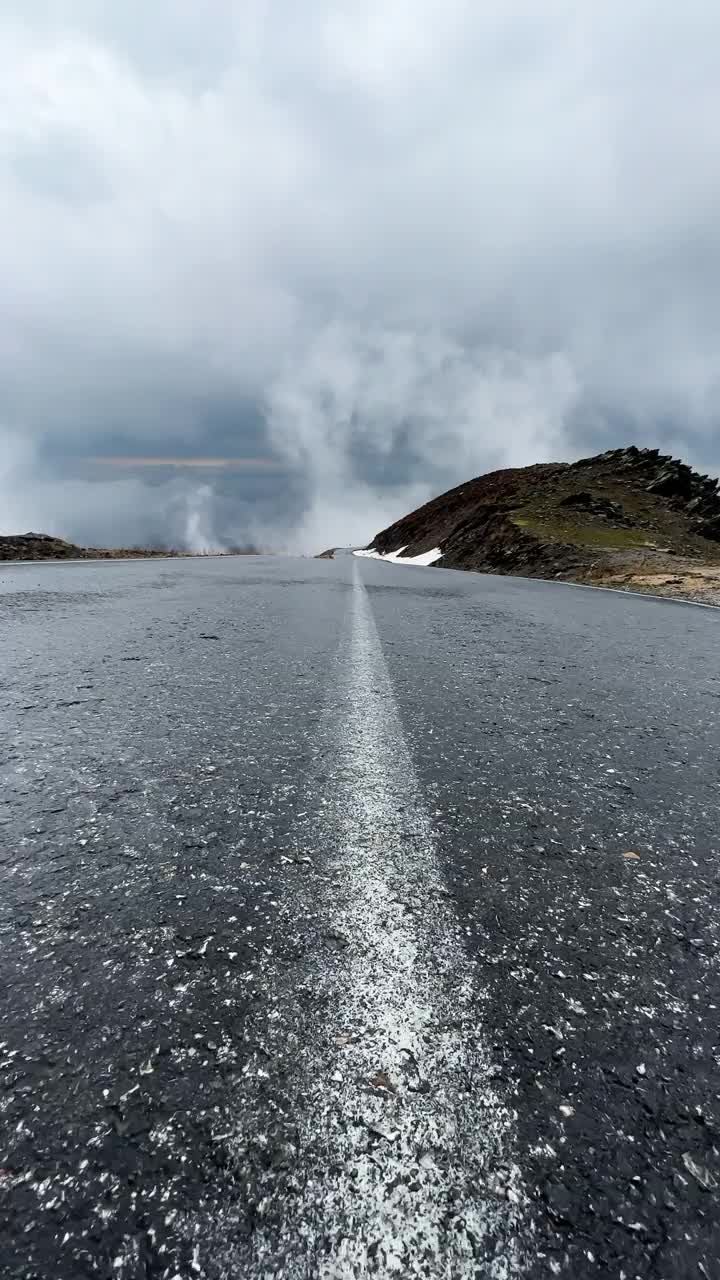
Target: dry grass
[[584, 535], [700, 583]]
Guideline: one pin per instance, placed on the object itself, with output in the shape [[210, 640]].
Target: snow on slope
[[397, 557]]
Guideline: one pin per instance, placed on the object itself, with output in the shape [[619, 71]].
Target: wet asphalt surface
[[165, 942]]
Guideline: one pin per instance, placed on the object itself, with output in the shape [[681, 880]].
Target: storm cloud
[[371, 247]]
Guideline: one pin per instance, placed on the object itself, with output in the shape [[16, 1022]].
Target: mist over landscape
[[275, 275], [359, 662]]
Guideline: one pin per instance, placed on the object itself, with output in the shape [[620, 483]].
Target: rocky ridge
[[627, 517], [43, 546]]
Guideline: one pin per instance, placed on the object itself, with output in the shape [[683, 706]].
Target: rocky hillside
[[622, 516], [41, 546]]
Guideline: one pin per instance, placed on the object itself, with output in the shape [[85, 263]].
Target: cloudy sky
[[275, 271]]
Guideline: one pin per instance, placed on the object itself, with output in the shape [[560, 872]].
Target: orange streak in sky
[[240, 464]]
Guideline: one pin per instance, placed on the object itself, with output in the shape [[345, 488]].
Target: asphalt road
[[356, 920]]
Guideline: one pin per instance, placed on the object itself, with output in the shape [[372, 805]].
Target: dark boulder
[[596, 506]]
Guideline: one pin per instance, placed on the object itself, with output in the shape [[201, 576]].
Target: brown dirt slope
[[631, 517]]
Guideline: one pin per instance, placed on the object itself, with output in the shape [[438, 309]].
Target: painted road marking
[[436, 1191], [385, 1148]]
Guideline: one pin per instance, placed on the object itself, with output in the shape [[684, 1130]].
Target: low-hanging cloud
[[355, 406], [393, 243]]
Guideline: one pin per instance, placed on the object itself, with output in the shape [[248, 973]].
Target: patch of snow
[[396, 557]]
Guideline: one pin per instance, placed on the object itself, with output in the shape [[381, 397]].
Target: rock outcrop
[[570, 520], [38, 546], [42, 546]]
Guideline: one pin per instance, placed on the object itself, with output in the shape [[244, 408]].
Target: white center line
[[388, 1150], [437, 1194]]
